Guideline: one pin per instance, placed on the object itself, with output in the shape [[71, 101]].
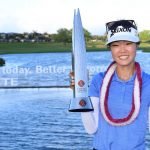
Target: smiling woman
[[124, 52], [120, 95]]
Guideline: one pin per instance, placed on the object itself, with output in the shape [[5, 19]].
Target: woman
[[121, 95]]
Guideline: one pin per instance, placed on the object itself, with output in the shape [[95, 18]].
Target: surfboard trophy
[[80, 102]]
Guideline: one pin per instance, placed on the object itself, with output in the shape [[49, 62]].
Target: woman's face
[[123, 52]]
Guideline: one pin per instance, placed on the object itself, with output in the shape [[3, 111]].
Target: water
[[39, 69], [38, 119], [53, 68]]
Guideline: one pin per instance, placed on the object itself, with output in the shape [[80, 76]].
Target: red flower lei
[[136, 98]]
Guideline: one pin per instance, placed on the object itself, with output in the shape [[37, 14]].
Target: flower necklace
[[136, 97]]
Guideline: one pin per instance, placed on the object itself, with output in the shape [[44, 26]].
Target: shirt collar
[[116, 78]]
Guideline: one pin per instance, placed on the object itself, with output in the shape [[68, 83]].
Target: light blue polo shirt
[[129, 137]]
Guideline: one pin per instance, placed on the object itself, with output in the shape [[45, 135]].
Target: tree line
[[63, 35]]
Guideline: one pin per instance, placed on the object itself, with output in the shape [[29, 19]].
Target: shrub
[[2, 62]]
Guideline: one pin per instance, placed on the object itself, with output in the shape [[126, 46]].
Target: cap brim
[[123, 38]]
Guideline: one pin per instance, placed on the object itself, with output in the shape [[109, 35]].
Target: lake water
[[53, 68], [38, 119]]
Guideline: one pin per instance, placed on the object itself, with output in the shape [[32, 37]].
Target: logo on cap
[[120, 29]]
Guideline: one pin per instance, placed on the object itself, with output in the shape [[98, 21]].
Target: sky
[[50, 15]]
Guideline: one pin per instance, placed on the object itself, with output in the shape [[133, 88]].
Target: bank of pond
[[46, 47]]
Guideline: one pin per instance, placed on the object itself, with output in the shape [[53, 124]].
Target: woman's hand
[[72, 80]]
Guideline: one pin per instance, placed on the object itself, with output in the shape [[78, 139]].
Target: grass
[[13, 48], [145, 46]]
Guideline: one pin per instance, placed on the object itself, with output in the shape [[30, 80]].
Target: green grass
[[13, 48], [145, 46]]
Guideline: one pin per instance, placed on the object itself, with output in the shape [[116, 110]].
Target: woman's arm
[[90, 119]]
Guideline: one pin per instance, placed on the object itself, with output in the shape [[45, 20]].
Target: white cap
[[122, 33]]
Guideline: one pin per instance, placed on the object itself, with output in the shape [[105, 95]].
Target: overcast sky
[[50, 15]]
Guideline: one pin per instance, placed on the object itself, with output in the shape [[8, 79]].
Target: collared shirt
[[128, 137]]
